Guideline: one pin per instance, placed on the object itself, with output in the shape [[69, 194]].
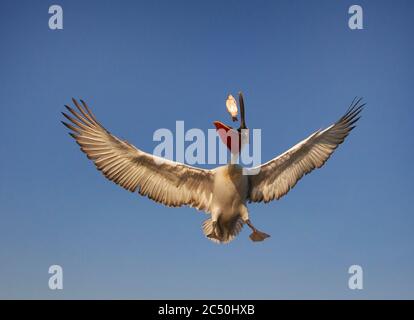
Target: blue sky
[[142, 66]]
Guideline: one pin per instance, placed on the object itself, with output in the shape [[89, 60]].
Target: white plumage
[[221, 192]]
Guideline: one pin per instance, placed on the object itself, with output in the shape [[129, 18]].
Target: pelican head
[[228, 133]]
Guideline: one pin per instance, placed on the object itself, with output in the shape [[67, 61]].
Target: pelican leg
[[256, 234]]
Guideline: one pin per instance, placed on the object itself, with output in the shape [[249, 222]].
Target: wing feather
[[164, 181], [276, 177]]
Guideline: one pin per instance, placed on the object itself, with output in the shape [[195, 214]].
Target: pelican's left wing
[[276, 177], [168, 182]]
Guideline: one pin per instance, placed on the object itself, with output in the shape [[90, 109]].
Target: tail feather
[[225, 232]]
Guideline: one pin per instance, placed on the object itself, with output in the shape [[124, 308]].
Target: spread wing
[[276, 177], [168, 182]]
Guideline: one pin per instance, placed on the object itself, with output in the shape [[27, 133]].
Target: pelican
[[222, 192]]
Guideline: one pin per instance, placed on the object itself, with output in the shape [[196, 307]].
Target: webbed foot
[[258, 236]]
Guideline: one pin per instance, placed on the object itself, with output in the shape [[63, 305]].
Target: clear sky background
[[142, 66]]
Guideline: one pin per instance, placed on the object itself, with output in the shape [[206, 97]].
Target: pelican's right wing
[[168, 182]]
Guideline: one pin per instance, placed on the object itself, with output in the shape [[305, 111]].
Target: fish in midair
[[231, 105]]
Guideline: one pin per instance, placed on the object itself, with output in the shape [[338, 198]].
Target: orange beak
[[227, 135]]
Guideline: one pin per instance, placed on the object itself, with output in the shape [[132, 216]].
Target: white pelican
[[222, 192]]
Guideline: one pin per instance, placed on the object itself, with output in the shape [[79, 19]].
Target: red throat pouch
[[227, 135]]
